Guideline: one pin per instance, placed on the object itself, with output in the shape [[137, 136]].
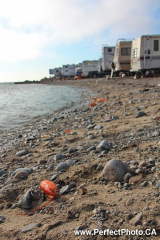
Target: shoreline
[[88, 202]]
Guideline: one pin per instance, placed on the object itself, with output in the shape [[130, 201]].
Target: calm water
[[20, 103]]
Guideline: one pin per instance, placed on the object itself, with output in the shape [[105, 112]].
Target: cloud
[[28, 27]]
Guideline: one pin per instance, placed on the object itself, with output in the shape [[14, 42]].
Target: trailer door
[[155, 53]]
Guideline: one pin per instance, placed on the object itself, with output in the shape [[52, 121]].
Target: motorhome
[[145, 54], [68, 70], [90, 68], [55, 72], [122, 56]]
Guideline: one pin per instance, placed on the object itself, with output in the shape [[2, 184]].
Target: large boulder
[[114, 170]]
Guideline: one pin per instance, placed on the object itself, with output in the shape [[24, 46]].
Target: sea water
[[21, 103]]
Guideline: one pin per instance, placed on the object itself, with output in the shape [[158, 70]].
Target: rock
[[71, 150], [97, 127], [63, 165], [65, 189], [134, 162], [142, 164], [158, 184], [2, 172], [104, 145], [127, 176], [136, 220], [54, 177], [136, 179], [58, 157], [90, 126], [140, 114], [156, 134], [99, 168], [21, 175], [26, 200], [129, 202], [114, 117], [42, 162], [28, 227], [22, 153], [114, 170], [28, 170], [2, 217], [144, 184]]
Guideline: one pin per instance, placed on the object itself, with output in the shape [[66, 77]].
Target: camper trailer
[[55, 72], [90, 68], [122, 56], [107, 58], [68, 70], [145, 54]]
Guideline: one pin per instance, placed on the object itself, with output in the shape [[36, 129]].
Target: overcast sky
[[36, 35]]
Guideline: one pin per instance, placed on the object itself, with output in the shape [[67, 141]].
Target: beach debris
[[26, 200], [114, 170]]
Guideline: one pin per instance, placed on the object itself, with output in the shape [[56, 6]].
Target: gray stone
[[71, 150], [114, 170], [58, 157], [158, 184], [26, 200], [104, 145], [28, 170], [127, 176], [91, 148], [61, 166], [114, 117], [2, 172], [2, 217], [134, 162], [90, 126], [156, 134], [140, 114], [53, 177], [22, 153], [136, 220], [65, 189], [28, 227], [97, 127]]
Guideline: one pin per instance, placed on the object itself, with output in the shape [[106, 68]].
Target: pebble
[[58, 157], [22, 153], [63, 165], [65, 189], [140, 114], [71, 150], [21, 175], [28, 227], [136, 220], [98, 127], [2, 172], [28, 170], [54, 177], [26, 200], [104, 145]]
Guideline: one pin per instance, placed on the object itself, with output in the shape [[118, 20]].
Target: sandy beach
[[71, 149]]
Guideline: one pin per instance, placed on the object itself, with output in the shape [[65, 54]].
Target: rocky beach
[[104, 159]]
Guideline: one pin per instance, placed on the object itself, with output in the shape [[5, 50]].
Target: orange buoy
[[92, 104], [49, 188], [67, 131]]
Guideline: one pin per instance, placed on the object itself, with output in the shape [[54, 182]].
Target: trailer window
[[66, 66], [109, 49], [89, 63], [57, 71], [125, 51], [134, 53], [156, 45], [66, 70]]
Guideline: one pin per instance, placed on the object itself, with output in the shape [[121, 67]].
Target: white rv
[[55, 72], [145, 54], [68, 70], [107, 58], [90, 68]]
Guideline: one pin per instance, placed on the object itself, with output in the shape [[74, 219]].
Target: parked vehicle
[[145, 54], [55, 72], [90, 68], [122, 56], [107, 59], [68, 70]]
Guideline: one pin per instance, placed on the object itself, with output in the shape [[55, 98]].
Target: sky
[[38, 35]]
